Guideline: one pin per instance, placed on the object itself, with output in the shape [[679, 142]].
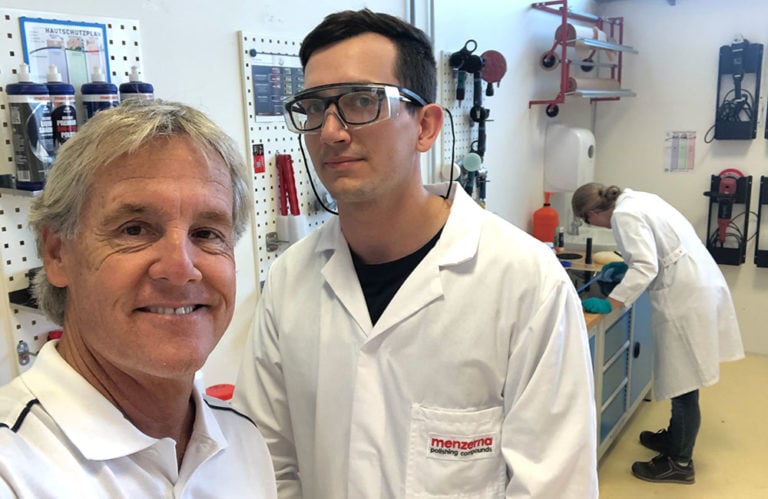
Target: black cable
[[731, 110], [311, 182], [453, 151]]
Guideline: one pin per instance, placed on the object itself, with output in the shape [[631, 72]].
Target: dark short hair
[[415, 65]]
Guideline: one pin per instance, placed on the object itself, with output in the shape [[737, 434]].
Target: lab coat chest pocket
[[455, 453]]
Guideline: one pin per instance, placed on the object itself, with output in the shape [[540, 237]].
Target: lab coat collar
[[459, 240], [458, 243]]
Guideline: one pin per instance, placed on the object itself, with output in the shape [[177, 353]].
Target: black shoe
[[664, 469], [654, 441]]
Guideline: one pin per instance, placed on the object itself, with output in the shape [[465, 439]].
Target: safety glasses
[[357, 104]]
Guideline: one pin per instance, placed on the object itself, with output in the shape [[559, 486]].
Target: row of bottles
[[43, 116]]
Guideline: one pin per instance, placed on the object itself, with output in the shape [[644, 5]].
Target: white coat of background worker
[[693, 318]]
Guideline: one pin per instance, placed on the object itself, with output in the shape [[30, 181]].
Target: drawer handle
[[636, 350]]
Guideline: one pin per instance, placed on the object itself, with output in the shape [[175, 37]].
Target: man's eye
[[363, 101], [313, 106], [133, 230], [207, 234]]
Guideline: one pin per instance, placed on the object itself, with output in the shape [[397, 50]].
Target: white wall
[[675, 77]]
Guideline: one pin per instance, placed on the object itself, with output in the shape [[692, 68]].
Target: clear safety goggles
[[357, 104]]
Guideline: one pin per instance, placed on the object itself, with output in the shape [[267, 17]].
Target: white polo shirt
[[59, 437]]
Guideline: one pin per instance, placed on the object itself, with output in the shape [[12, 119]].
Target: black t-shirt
[[381, 281]]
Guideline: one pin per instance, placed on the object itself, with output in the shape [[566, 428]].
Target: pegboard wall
[[464, 130], [26, 326], [270, 132]]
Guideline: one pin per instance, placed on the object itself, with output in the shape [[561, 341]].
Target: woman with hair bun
[[693, 318]]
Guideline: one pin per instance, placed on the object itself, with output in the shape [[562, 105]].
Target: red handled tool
[[287, 185]]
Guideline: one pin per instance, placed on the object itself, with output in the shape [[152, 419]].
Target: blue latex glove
[[613, 272], [596, 305]]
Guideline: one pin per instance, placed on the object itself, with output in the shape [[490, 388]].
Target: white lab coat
[[476, 382], [693, 318]]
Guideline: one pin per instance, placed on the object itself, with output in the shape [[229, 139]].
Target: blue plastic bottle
[[98, 95], [136, 89], [63, 112], [32, 136]]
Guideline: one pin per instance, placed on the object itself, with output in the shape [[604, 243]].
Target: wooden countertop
[[592, 320]]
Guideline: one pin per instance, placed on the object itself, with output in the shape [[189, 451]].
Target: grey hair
[[105, 137]]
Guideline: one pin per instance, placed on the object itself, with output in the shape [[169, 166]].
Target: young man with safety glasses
[[416, 345]]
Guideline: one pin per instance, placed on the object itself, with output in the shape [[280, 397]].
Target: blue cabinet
[[622, 354], [641, 350]]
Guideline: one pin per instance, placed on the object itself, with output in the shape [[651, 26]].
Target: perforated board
[[272, 134], [464, 129], [17, 247]]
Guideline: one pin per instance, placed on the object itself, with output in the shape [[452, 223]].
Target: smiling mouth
[[171, 311]]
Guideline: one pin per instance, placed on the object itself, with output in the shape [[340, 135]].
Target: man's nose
[[176, 259], [333, 129]]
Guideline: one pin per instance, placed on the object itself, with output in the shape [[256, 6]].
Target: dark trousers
[[683, 426]]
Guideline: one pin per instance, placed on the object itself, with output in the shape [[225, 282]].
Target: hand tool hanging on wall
[[287, 189], [727, 243], [457, 61], [494, 69], [489, 67]]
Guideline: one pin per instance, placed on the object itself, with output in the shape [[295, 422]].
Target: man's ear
[[430, 126], [52, 258]]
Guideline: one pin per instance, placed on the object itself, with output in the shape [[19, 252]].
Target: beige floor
[[731, 454]]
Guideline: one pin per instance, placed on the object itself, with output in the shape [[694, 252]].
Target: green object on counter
[[596, 305]]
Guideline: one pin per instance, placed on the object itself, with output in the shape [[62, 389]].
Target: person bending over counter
[[693, 318], [136, 227], [416, 345]]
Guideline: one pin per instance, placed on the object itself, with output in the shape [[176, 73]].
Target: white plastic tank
[[569, 158]]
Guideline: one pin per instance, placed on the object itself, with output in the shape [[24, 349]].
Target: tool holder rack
[[761, 255], [612, 26], [722, 254]]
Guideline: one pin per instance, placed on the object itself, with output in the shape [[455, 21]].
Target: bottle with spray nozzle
[[29, 106]]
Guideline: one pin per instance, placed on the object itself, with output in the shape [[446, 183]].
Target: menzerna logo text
[[452, 447]]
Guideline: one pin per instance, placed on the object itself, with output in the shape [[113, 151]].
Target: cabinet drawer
[[613, 413], [616, 336], [615, 375]]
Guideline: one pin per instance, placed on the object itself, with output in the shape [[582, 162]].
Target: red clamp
[[287, 185]]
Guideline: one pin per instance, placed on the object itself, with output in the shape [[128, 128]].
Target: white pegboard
[[17, 245], [464, 130], [17, 248], [274, 136]]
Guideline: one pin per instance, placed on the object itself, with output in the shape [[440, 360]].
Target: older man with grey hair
[[136, 227]]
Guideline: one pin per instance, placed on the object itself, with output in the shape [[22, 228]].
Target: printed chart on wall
[[77, 49], [274, 77], [680, 151]]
